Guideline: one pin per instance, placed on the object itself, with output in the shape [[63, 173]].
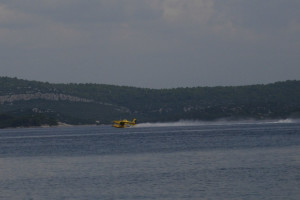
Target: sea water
[[152, 161]]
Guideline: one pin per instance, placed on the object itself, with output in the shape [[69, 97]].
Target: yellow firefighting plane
[[124, 123]]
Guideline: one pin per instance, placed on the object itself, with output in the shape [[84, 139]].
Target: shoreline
[[176, 123]]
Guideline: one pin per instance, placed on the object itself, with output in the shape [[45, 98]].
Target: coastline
[[175, 123]]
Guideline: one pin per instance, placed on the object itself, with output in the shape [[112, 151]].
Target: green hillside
[[88, 103]]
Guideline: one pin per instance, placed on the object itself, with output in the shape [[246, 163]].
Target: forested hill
[[88, 103]]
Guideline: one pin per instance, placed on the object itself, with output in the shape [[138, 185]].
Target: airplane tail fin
[[134, 121]]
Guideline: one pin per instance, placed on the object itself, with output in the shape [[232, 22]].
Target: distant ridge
[[88, 103]]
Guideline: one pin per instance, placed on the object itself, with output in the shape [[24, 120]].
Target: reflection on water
[[215, 162]]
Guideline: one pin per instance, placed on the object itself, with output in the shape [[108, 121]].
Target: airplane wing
[[122, 122]]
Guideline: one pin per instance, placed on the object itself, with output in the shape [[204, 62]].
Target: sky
[[151, 43]]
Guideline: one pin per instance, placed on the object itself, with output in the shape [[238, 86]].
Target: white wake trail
[[218, 122]]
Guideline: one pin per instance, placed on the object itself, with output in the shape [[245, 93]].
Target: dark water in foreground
[[225, 161]]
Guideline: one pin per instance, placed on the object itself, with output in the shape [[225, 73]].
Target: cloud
[[189, 42], [116, 18], [260, 15], [195, 11]]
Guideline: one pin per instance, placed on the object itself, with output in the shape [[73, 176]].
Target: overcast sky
[[151, 43]]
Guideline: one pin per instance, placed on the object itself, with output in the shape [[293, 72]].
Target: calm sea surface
[[165, 161]]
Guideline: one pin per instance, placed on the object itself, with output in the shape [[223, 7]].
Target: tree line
[[263, 101]]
